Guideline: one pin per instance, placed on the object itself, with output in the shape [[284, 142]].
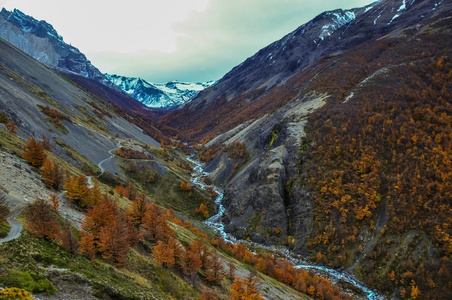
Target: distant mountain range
[[159, 95]]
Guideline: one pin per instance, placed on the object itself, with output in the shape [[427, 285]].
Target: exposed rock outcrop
[[259, 199], [41, 41]]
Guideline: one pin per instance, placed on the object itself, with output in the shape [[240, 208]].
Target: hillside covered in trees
[[342, 158], [369, 187]]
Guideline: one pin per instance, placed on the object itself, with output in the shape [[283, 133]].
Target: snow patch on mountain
[[159, 95], [41, 41], [338, 20]]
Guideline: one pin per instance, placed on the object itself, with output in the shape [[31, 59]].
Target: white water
[[215, 223]]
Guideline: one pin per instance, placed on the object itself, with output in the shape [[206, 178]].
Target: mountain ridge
[[159, 95], [40, 40]]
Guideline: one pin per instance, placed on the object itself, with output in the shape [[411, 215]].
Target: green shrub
[[4, 229], [33, 283]]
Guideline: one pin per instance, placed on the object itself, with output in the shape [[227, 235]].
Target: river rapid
[[214, 222]]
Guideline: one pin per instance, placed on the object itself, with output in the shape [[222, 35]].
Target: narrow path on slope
[[107, 159], [16, 227]]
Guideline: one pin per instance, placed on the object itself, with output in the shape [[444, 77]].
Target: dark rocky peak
[[26, 23], [305, 37], [382, 18], [41, 41], [283, 58], [328, 33]]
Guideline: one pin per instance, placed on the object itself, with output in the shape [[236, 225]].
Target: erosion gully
[[214, 222]]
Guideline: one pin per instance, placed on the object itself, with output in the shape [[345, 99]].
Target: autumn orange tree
[[52, 175], [138, 210], [34, 153], [114, 243], [155, 227], [42, 220], [185, 186], [203, 210], [11, 126], [193, 262], [77, 191], [163, 253], [105, 232], [208, 295], [243, 289], [68, 239], [214, 269]]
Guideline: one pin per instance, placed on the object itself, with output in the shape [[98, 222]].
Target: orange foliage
[[185, 186], [163, 253], [138, 210], [203, 211], [78, 191], [214, 269], [388, 153], [34, 153], [51, 174], [53, 113], [105, 232], [132, 154], [243, 289], [42, 220], [11, 126], [208, 295], [155, 226]]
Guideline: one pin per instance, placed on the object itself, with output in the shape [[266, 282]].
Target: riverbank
[[214, 222]]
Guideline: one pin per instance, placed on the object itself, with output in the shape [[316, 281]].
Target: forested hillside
[[373, 187]]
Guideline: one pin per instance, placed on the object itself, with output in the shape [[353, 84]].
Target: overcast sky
[[164, 40]]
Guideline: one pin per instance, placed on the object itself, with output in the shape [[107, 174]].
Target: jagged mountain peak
[[29, 24], [41, 41], [159, 95]]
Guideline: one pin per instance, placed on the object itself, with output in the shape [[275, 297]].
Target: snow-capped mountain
[[41, 41], [159, 95]]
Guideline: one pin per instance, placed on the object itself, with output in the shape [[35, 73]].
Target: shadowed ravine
[[215, 223]]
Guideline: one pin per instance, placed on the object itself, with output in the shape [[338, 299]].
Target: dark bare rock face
[[258, 200], [41, 41]]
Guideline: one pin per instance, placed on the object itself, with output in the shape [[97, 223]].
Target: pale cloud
[[189, 40]]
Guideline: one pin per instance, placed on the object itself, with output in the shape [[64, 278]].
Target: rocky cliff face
[[259, 205], [267, 200], [281, 59], [41, 41]]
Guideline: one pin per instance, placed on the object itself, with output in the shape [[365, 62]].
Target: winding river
[[215, 223]]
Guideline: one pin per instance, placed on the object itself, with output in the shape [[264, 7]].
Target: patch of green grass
[[32, 282], [89, 119], [166, 282], [58, 125], [24, 263], [168, 191], [42, 95], [4, 229], [12, 142]]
